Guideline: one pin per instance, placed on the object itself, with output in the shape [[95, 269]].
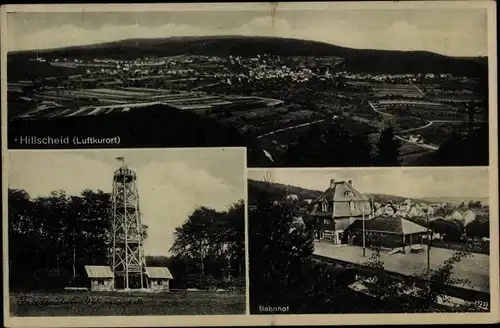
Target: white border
[[256, 6]]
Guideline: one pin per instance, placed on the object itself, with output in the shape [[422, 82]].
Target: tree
[[449, 229], [51, 238], [307, 149], [232, 235], [281, 269], [194, 237], [211, 237], [459, 149], [330, 144], [362, 149], [388, 149], [478, 229], [475, 204]]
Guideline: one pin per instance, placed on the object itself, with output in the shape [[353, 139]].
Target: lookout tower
[[129, 262]]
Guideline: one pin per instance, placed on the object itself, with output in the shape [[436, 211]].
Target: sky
[[454, 32], [449, 182], [171, 182]]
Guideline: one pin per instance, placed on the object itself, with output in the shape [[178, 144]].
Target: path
[[206, 86], [423, 94], [289, 128], [378, 111], [419, 128], [421, 145]]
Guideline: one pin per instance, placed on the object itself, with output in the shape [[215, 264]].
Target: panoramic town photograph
[[369, 240], [152, 232], [298, 88]]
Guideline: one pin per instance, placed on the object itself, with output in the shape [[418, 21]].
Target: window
[[324, 206], [326, 221], [101, 282], [351, 205], [160, 282], [347, 193]]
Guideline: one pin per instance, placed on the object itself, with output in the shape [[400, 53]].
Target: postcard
[[218, 164]]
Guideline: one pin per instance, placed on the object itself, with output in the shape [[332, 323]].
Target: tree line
[[211, 244], [52, 238], [333, 145]]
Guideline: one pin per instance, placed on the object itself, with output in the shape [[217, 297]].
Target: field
[[391, 89], [134, 303]]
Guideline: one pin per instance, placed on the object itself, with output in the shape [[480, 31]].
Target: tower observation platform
[[128, 259]]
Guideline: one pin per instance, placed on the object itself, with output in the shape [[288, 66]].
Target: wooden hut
[[159, 278], [101, 277], [388, 232]]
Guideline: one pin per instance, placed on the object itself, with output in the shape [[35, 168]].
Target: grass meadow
[[86, 303]]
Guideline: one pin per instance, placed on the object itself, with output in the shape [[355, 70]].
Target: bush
[[450, 230], [478, 229], [211, 283]]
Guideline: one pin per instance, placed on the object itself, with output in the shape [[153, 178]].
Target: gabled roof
[[159, 273], [341, 194], [395, 225], [342, 191], [99, 271], [469, 212]]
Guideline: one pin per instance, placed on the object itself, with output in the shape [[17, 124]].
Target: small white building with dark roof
[[101, 277], [468, 217], [456, 215], [159, 278]]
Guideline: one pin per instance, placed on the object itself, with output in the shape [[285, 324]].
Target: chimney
[[350, 182], [332, 183]]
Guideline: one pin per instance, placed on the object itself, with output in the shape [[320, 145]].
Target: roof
[[159, 273], [99, 271], [342, 191], [389, 225], [469, 212], [341, 194]]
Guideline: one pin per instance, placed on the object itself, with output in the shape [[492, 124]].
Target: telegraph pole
[[428, 244], [364, 242]]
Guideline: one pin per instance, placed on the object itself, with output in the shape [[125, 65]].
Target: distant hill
[[457, 200], [382, 198], [280, 190], [357, 60]]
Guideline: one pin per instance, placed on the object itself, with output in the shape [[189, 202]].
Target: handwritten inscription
[[90, 300]]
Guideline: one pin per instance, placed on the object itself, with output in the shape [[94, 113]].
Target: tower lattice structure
[[128, 260]]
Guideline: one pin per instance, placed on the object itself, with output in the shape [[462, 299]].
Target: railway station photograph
[[352, 240], [126, 232]]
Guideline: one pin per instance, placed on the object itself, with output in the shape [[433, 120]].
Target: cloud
[[171, 194], [169, 190], [421, 182], [456, 38]]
